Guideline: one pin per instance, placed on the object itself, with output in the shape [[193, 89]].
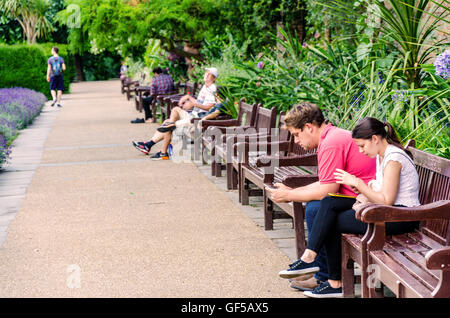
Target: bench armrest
[[284, 161], [300, 181], [380, 213], [143, 88], [234, 138], [282, 145], [438, 259], [219, 124]]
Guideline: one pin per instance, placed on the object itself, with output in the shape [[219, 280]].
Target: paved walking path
[[98, 219]]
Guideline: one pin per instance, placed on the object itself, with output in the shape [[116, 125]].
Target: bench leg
[[299, 228], [268, 212], [230, 185], [348, 281], [243, 190]]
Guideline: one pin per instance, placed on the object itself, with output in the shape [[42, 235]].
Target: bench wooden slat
[[394, 273], [409, 243], [419, 236], [409, 264]]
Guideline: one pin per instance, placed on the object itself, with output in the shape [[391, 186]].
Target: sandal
[[169, 126]]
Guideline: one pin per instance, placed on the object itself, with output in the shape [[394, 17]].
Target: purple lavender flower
[[401, 95], [304, 45], [18, 107], [442, 64], [260, 65]]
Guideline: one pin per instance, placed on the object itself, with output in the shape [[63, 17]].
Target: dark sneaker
[[141, 147], [305, 285], [168, 126], [325, 291], [53, 103], [138, 121], [299, 268], [160, 156], [59, 105]]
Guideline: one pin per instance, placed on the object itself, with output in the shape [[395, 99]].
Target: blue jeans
[[311, 210]]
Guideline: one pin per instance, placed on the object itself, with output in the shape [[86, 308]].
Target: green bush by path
[[26, 66]]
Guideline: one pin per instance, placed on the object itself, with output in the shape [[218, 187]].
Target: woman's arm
[[389, 188]]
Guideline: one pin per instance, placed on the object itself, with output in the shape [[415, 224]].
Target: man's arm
[[313, 191], [204, 107], [64, 66], [48, 72], [212, 115]]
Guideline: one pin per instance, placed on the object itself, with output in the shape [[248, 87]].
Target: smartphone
[[338, 195]]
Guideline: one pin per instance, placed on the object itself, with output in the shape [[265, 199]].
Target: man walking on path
[[55, 68]]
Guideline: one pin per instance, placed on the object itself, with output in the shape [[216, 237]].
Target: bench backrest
[[434, 185], [283, 134], [247, 113], [176, 87], [265, 118], [190, 88]]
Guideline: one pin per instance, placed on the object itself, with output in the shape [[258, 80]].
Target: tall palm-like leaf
[[31, 16], [407, 24]]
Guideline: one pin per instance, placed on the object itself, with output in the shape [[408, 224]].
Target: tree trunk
[[300, 23], [327, 29], [79, 74], [192, 50]]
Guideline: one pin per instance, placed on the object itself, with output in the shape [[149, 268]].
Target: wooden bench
[[169, 102], [265, 120], [131, 85], [144, 91], [416, 264], [294, 167], [255, 172], [246, 118]]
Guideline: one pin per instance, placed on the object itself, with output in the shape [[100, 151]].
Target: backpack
[[56, 66]]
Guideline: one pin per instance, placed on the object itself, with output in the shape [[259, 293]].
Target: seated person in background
[[162, 83], [145, 147], [396, 183], [190, 107], [123, 70]]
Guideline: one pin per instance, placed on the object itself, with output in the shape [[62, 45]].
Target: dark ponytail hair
[[369, 126]]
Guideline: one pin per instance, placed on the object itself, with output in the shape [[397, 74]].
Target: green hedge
[[26, 66]]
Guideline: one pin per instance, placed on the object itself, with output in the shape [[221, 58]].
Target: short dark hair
[[157, 70], [55, 48], [302, 114]]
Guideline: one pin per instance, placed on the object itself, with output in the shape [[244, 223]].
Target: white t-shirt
[[205, 96], [408, 189]]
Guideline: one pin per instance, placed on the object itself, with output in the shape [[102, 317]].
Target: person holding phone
[[396, 183], [335, 150]]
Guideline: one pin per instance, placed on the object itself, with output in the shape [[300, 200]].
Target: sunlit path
[[100, 219]]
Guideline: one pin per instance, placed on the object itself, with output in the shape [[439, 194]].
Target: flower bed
[[18, 107]]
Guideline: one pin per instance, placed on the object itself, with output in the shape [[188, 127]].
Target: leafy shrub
[[26, 66]]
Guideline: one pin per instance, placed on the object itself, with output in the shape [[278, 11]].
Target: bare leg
[[174, 114], [166, 142], [158, 136], [58, 98], [53, 94]]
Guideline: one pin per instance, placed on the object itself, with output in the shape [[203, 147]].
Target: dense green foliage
[[334, 53], [26, 66]]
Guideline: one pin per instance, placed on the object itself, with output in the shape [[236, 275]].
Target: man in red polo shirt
[[335, 150]]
